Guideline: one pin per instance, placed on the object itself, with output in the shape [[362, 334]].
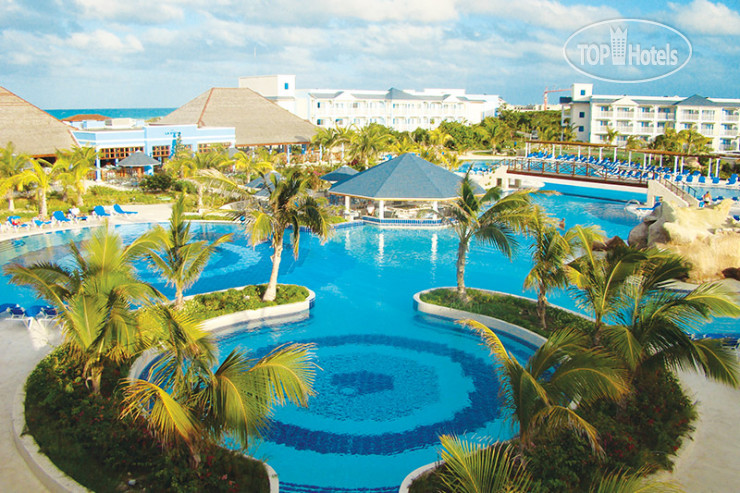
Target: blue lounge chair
[[40, 224], [117, 209], [715, 180], [17, 312], [59, 217], [702, 179], [99, 211], [733, 179]]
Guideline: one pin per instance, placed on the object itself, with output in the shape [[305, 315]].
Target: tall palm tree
[[95, 298], [650, 329], [692, 142], [325, 138], [178, 257], [563, 375], [288, 206], [11, 165], [74, 166], [495, 225], [185, 400], [549, 254], [43, 177], [367, 142], [476, 468], [190, 167]]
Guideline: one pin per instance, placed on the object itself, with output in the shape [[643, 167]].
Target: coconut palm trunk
[[200, 196], [277, 246], [462, 251], [11, 202], [43, 209], [542, 305]]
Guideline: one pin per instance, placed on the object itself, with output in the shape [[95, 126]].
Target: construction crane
[[544, 97]]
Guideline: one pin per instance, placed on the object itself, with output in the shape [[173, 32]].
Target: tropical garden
[[597, 406]]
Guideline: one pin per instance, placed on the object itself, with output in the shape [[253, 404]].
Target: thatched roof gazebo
[[406, 178], [32, 130], [257, 120]]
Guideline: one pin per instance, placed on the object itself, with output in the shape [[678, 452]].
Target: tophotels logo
[[604, 51]]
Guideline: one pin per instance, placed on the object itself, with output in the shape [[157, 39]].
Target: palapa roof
[[32, 130], [138, 160], [406, 177], [340, 174], [86, 117], [256, 120]]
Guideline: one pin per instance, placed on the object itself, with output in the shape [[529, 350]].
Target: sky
[[162, 53]]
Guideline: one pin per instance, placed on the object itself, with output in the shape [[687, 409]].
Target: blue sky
[[142, 53]]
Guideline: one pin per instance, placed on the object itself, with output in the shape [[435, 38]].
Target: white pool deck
[[708, 463]]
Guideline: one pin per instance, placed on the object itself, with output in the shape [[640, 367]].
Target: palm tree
[[611, 134], [634, 142], [652, 324], [185, 400], [43, 177], [190, 167], [494, 131], [288, 206], [692, 142], [549, 253], [452, 160], [495, 225], [11, 165], [95, 298], [74, 166], [563, 375], [475, 468], [367, 142], [439, 138], [325, 138], [177, 256], [598, 278], [403, 145], [251, 163]]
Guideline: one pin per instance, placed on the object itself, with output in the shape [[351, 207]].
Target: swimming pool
[[392, 379]]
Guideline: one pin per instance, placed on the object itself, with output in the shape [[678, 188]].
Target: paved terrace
[[708, 463]]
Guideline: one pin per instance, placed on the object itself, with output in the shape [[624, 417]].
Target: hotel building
[[591, 116], [402, 110]]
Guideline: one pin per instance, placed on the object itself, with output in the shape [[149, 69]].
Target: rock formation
[[707, 237]]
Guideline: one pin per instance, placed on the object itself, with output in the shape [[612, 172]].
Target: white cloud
[[703, 16], [545, 13], [105, 42], [136, 11], [389, 10]]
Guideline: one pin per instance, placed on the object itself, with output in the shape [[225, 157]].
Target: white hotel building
[[403, 110], [648, 116]]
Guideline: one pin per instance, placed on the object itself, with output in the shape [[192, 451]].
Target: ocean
[[137, 113]]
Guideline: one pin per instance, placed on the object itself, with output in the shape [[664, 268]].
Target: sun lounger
[[59, 217], [40, 224], [117, 209], [99, 211], [17, 312]]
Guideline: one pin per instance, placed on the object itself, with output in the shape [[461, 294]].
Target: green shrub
[[204, 306], [518, 311], [158, 182], [84, 436]]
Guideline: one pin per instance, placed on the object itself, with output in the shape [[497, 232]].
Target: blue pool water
[[392, 380]]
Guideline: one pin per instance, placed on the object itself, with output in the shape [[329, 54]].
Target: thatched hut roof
[[256, 120], [32, 130]]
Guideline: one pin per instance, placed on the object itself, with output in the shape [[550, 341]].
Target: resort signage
[[627, 50]]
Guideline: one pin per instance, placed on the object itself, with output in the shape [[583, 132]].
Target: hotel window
[[286, 86], [318, 104], [355, 105], [319, 122], [580, 128], [582, 114], [583, 92]]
